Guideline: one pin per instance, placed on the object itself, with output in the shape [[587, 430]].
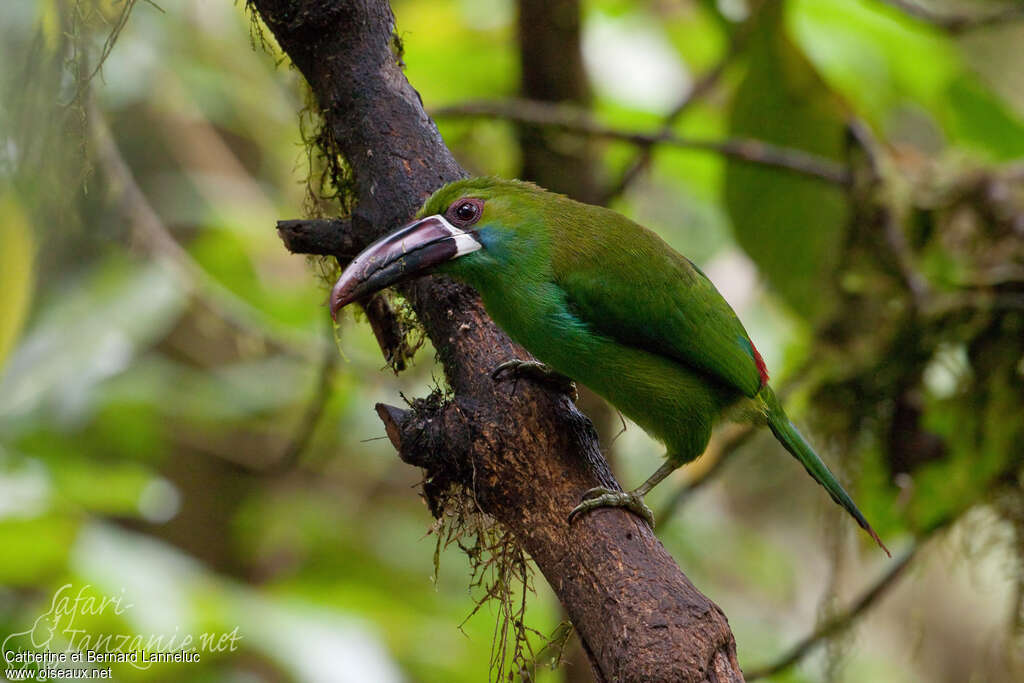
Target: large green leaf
[[790, 225], [900, 74]]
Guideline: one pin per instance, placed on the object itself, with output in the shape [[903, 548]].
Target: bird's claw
[[601, 497], [536, 371]]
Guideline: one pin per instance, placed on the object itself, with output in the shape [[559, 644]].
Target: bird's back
[[628, 284]]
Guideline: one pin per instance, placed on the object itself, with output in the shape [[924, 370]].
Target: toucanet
[[601, 300]]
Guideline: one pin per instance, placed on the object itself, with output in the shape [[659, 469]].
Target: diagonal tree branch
[[155, 238], [842, 621], [527, 457], [719, 452], [701, 87], [1006, 478]]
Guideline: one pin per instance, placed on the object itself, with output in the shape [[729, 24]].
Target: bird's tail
[[795, 443]]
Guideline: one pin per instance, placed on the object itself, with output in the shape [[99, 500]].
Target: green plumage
[[606, 302]]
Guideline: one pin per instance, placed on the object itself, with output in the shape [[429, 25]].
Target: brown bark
[[320, 236], [551, 70], [527, 455]]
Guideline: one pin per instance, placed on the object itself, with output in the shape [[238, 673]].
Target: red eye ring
[[466, 211]]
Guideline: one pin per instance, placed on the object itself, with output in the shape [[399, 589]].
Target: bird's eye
[[465, 212]]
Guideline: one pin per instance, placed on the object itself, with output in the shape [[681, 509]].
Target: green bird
[[603, 301]]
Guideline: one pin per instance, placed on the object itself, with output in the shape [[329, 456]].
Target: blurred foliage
[[790, 226], [16, 266], [153, 373]]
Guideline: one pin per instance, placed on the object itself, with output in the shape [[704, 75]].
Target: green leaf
[[17, 258], [981, 119], [877, 56], [789, 225], [35, 549]]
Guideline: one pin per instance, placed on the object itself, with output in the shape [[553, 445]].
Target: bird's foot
[[530, 369], [601, 497]]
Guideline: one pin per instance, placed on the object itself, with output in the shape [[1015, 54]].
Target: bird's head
[[479, 230]]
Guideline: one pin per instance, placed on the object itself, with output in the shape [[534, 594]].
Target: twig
[[573, 120], [841, 621], [903, 257], [336, 237], [314, 411], [959, 23], [153, 234], [553, 649], [844, 620], [120, 21], [981, 299], [720, 449], [701, 87], [724, 451], [863, 139]]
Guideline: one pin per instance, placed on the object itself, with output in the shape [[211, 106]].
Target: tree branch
[[840, 622], [844, 620], [959, 23], [311, 416], [719, 451], [318, 236], [702, 86], [575, 121], [526, 457], [149, 229]]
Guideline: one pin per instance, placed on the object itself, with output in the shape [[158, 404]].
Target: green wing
[[628, 284]]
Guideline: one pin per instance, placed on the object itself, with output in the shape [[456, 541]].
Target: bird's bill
[[404, 254]]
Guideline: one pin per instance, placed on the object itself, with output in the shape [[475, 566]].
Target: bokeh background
[[181, 426]]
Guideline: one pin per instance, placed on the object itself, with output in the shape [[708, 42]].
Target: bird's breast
[[541, 321], [672, 402]]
